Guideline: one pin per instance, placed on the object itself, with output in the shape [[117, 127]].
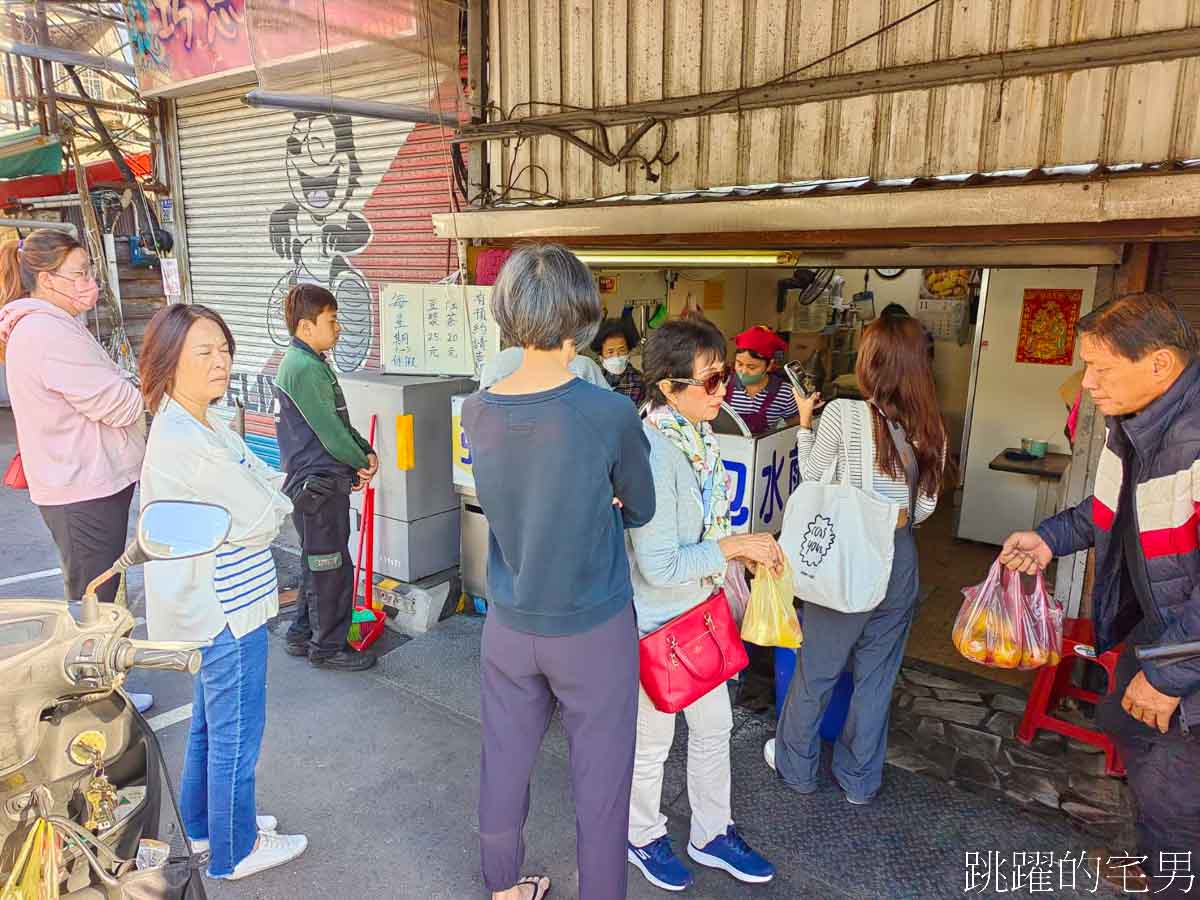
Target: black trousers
[[1163, 771], [326, 596], [90, 536]]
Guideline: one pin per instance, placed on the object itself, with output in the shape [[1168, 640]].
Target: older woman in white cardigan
[[224, 598]]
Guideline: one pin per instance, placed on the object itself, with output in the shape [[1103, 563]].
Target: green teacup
[[1033, 447]]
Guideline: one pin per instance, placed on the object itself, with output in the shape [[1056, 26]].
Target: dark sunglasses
[[712, 384]]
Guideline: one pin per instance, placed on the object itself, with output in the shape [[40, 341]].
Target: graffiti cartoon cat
[[322, 229]]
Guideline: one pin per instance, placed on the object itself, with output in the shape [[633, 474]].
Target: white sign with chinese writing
[[763, 473], [170, 276], [436, 329]]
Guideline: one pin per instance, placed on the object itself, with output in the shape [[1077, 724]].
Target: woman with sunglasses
[[678, 559]]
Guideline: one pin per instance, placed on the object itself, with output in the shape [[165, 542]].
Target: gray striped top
[[829, 447]]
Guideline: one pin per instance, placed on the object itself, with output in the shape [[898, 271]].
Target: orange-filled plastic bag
[[1006, 625], [771, 619]]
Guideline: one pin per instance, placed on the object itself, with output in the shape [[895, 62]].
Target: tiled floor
[[947, 566]]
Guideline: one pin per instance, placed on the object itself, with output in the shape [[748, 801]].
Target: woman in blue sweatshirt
[[561, 469]]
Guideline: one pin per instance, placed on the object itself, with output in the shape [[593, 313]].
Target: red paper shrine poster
[[1047, 333]]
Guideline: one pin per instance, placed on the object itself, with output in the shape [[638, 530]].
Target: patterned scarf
[[699, 445]]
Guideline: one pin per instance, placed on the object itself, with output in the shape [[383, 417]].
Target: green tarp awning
[[29, 153]]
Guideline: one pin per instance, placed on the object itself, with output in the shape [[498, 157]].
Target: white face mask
[[615, 364]]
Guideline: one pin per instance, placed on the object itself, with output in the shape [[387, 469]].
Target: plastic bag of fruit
[[1009, 623]]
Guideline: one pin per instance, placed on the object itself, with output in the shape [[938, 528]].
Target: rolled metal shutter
[[1177, 274], [271, 198]]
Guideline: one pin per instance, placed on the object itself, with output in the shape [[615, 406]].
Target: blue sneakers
[[733, 855], [662, 868]]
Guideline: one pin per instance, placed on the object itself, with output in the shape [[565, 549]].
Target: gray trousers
[[594, 677], [872, 643]]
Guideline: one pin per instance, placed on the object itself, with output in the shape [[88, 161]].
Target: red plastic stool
[[1054, 682]]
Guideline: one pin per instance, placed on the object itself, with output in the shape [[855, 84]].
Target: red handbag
[[692, 654], [14, 475]]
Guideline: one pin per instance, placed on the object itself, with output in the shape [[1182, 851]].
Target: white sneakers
[[272, 850], [769, 752], [265, 823]]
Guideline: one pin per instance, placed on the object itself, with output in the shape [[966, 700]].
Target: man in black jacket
[[1144, 521]]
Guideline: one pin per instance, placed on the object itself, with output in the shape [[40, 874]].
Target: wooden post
[[1133, 275], [1072, 588], [11, 81], [23, 88], [43, 38], [35, 69], [477, 87]]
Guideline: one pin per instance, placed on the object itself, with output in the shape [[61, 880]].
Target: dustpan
[[367, 618]]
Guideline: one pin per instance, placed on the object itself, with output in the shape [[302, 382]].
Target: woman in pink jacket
[[80, 421]]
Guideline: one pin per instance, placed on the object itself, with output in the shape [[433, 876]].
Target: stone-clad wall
[[963, 730]]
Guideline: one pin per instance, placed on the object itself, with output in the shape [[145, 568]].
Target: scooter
[[87, 807]]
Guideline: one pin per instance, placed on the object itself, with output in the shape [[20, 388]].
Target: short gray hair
[[544, 297], [1134, 325]]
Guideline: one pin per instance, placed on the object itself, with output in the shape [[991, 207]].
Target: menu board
[[436, 329]]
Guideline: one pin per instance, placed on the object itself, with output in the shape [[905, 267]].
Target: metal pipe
[[68, 227], [1169, 652], [370, 109], [66, 57], [75, 100]]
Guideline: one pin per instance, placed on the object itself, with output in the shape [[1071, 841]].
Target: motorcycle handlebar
[[149, 655], [1169, 652]]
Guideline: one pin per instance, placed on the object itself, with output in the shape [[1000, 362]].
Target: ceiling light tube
[[710, 259]]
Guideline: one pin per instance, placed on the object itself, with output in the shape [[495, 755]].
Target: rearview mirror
[[178, 529]]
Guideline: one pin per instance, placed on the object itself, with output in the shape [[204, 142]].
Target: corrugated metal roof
[[1085, 172]]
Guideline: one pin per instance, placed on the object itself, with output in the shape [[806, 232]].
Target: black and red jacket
[[1160, 448]]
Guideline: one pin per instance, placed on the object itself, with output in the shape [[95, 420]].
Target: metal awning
[[1077, 204]]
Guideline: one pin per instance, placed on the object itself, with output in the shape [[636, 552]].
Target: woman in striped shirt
[[902, 421], [224, 598], [761, 397]]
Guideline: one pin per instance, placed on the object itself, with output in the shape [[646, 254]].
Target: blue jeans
[[216, 796]]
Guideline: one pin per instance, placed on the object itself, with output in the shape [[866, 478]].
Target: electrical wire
[[833, 54]]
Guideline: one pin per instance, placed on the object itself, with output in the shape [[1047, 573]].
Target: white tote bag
[[840, 537]]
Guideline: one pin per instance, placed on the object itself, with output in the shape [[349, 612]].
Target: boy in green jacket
[[325, 460]]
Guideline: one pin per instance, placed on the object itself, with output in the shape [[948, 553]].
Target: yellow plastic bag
[[35, 875], [771, 619]]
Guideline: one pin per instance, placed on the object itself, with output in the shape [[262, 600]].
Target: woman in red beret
[[761, 397]]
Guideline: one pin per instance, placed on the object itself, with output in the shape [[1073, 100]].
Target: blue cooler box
[[839, 700]]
